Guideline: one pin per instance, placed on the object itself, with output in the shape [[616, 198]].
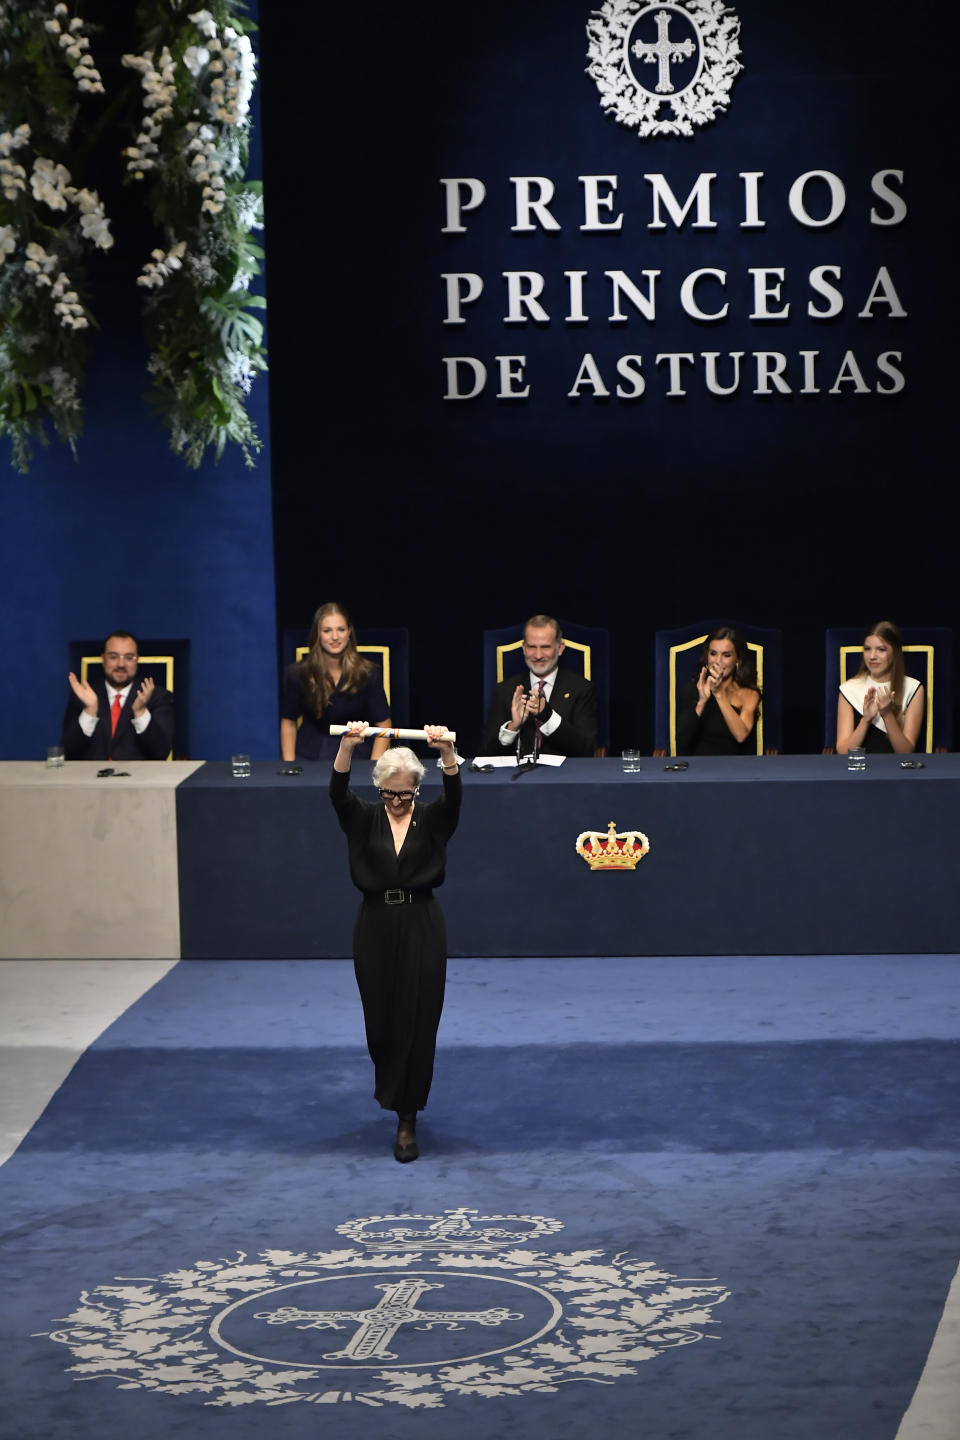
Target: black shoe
[[406, 1150]]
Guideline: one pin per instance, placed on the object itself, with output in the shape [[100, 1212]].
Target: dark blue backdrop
[[448, 517], [794, 510]]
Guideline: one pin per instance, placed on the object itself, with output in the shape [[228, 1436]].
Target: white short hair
[[391, 762]]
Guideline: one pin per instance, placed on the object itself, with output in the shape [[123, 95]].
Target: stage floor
[[693, 1025]]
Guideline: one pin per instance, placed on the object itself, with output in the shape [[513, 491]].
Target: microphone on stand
[[529, 742]]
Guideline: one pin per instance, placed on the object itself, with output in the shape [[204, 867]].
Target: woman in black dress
[[397, 852], [717, 709], [332, 684]]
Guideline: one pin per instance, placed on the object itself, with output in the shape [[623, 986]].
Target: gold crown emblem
[[617, 850]]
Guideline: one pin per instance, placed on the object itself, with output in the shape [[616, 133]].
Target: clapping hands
[[708, 682], [85, 693], [142, 698], [524, 704]]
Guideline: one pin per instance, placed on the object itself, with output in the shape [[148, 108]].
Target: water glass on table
[[857, 758], [240, 767], [55, 757], [630, 762]]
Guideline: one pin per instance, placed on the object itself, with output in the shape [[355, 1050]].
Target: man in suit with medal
[[109, 717], [548, 709]]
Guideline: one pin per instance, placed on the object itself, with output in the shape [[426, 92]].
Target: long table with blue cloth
[[767, 855]]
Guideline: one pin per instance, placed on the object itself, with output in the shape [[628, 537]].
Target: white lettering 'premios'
[[814, 199]]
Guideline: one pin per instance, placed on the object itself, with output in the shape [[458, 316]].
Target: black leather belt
[[396, 897]]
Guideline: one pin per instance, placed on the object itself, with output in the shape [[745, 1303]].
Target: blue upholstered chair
[[587, 650], [675, 656], [927, 656], [387, 647], [165, 662]]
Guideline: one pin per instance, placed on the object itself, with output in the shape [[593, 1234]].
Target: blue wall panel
[[128, 536]]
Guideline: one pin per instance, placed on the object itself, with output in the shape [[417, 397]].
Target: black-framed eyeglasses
[[398, 794]]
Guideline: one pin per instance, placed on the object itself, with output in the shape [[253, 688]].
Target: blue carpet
[[745, 1174]]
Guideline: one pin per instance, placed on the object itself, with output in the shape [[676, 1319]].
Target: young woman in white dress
[[881, 708]]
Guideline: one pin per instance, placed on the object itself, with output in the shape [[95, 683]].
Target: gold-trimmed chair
[[587, 648], [166, 663], [387, 647], [675, 662], [928, 657]]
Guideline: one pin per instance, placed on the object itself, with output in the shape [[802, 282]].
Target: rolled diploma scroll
[[371, 731]]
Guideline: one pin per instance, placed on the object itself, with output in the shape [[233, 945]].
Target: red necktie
[[115, 709]]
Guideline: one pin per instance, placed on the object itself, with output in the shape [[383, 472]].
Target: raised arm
[[452, 787], [347, 805], [448, 754], [349, 740]]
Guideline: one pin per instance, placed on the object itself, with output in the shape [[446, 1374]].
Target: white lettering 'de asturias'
[[757, 372]]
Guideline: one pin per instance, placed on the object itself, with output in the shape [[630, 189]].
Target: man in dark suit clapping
[[111, 718], [548, 707]]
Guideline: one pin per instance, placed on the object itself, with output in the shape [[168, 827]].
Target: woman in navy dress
[[398, 849], [332, 684]]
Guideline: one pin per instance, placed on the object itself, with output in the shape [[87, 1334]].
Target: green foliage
[[45, 225], [191, 80], [190, 155]]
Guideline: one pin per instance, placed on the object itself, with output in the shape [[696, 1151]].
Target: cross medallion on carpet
[[512, 1318]]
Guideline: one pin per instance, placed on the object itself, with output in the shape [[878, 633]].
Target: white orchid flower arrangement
[[194, 73]]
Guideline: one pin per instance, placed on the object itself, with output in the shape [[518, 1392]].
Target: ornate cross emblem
[[378, 1325], [662, 52], [704, 91], [615, 1312]]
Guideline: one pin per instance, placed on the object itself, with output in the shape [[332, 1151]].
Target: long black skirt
[[400, 961]]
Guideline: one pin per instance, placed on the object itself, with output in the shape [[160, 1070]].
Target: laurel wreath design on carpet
[[159, 1334]]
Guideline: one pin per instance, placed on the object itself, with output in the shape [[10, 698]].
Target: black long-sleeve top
[[374, 862]]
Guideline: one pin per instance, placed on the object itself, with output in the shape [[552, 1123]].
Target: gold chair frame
[[165, 660], [382, 650], [503, 650], [927, 651], [675, 651]]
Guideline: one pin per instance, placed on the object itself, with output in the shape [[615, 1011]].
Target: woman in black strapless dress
[[717, 709]]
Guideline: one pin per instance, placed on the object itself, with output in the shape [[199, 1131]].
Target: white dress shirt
[[88, 723]]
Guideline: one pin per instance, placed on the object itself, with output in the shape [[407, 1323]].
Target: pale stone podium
[[88, 865]]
